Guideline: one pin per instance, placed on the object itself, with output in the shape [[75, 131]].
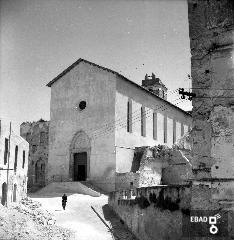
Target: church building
[[98, 117]]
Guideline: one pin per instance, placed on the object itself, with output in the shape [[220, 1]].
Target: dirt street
[[80, 217]]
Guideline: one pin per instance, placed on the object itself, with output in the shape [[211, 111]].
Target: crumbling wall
[[211, 32], [126, 180], [155, 213], [37, 135], [157, 165], [145, 171]]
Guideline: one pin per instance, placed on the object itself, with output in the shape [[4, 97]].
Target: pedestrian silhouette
[[64, 201]]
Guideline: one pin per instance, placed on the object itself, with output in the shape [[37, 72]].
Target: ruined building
[[13, 165], [99, 117], [37, 135]]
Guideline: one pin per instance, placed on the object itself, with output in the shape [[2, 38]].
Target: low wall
[[153, 213], [126, 180]]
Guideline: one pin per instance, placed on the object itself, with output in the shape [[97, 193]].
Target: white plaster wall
[[124, 156], [97, 88], [20, 177], [169, 131], [128, 141], [149, 122]]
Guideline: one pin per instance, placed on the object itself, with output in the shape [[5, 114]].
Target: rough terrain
[[29, 221]]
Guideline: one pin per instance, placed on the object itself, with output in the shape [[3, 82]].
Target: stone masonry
[[211, 32], [36, 134]]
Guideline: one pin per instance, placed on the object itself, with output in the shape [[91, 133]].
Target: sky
[[41, 38]]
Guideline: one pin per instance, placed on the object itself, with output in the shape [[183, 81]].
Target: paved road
[[80, 217]]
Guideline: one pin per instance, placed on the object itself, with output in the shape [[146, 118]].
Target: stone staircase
[[92, 186], [69, 187]]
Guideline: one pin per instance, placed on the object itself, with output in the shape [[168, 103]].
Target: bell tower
[[155, 85]]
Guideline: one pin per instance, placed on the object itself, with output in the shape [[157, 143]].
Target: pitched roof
[[114, 72]]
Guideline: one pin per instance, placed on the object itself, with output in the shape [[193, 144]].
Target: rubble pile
[[32, 208], [27, 220]]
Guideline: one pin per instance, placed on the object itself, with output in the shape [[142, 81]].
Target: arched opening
[[15, 193], [79, 157], [4, 193], [40, 172]]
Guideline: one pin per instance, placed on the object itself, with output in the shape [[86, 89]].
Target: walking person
[[64, 201]]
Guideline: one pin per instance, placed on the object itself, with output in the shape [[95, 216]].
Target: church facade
[[98, 117]]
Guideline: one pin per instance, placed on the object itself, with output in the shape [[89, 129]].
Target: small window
[[155, 126], [182, 129], [23, 159], [16, 158], [82, 105], [129, 116], [165, 129], [143, 127], [174, 131], [6, 151]]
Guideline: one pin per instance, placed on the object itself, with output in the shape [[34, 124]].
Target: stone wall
[[211, 31], [153, 213], [37, 135]]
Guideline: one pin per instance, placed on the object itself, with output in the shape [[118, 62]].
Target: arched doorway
[[4, 193], [40, 172], [79, 165], [15, 193]]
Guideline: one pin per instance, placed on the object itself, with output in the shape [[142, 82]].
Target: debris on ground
[[26, 220]]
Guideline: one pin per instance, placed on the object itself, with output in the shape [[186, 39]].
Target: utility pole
[[8, 164]]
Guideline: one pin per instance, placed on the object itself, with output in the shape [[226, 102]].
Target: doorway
[[40, 172], [80, 166], [14, 192], [4, 194]]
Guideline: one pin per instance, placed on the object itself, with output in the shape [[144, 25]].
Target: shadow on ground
[[48, 195], [118, 228]]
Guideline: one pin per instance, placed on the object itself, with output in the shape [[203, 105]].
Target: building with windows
[[37, 135], [13, 165], [98, 118]]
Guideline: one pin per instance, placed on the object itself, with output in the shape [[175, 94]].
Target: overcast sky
[[40, 38]]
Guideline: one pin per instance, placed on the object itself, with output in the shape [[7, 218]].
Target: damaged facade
[[158, 165], [99, 117], [13, 166], [37, 135], [211, 32]]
